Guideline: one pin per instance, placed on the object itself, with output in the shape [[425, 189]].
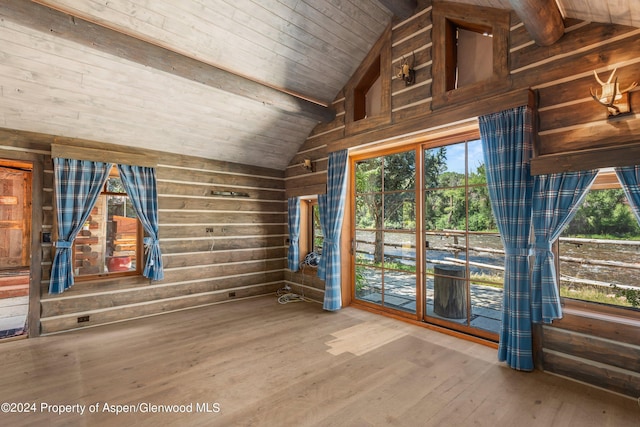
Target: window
[[367, 94], [317, 238], [471, 59], [599, 251], [474, 56], [110, 240]]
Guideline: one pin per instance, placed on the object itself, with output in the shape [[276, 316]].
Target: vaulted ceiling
[[241, 81]]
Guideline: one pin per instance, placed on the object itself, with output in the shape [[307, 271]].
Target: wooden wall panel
[[152, 307], [179, 245], [580, 38], [596, 349], [244, 255], [410, 95], [604, 376], [624, 331], [219, 257]]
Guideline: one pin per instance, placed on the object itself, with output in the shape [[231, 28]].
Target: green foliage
[[632, 295], [435, 163], [318, 238], [593, 294], [385, 195], [387, 265], [446, 208], [360, 279], [604, 212]]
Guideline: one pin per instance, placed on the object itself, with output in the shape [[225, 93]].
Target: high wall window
[[367, 94], [474, 56], [599, 251], [469, 56], [110, 240]]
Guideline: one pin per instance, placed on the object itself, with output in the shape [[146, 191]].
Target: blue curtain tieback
[[517, 252], [63, 244], [542, 246], [148, 241]]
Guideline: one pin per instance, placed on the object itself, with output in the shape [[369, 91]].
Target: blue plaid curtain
[[506, 140], [78, 184], [140, 184], [322, 209], [556, 198], [293, 209], [333, 208], [629, 177]]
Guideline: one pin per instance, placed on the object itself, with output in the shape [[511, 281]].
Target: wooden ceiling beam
[[400, 8], [541, 18], [94, 36]]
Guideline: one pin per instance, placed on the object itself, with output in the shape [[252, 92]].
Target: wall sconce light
[[406, 71], [307, 164], [616, 100]]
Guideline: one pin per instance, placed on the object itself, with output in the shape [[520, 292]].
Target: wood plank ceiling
[[241, 81]]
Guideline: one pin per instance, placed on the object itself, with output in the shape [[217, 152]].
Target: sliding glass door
[[436, 199]]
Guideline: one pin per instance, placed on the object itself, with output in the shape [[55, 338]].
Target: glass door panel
[[464, 258], [385, 227], [400, 270], [446, 262], [486, 267]]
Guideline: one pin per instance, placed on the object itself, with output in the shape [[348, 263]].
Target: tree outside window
[[599, 251]]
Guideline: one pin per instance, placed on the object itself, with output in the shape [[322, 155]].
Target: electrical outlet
[[232, 294], [82, 319], [209, 230]]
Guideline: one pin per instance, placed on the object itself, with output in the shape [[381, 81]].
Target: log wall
[[244, 255], [573, 132], [600, 349]]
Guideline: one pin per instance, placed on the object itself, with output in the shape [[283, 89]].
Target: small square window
[[474, 61], [472, 58], [367, 95]]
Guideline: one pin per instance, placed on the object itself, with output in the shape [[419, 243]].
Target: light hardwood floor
[[265, 364]]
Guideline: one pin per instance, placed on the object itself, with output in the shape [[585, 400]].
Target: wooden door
[[15, 217]]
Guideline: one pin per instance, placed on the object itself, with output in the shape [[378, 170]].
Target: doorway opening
[[15, 246]]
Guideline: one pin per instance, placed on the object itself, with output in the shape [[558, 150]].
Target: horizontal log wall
[[601, 350], [571, 124], [242, 257]]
